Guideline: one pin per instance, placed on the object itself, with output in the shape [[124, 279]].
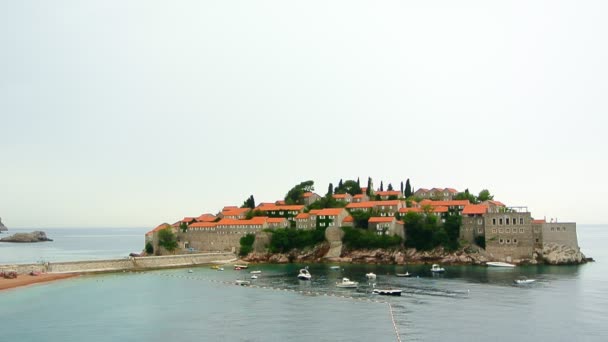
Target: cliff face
[[554, 254], [2, 227]]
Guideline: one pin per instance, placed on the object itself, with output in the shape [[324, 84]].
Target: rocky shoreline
[[469, 255]]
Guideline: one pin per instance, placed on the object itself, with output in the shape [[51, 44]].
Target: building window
[[500, 222], [514, 240], [564, 228], [521, 230], [552, 229], [508, 240], [501, 241], [508, 231], [507, 221], [500, 230], [514, 222], [536, 240], [480, 231], [494, 230], [479, 221], [494, 221], [521, 220]]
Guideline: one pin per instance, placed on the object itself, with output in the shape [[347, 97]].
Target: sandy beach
[[26, 279]]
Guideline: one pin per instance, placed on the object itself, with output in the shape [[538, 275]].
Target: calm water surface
[[567, 303]]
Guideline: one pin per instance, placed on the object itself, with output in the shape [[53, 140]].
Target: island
[[36, 236], [356, 224]]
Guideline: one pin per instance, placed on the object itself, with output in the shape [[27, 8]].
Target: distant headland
[[351, 223], [2, 226], [36, 236]]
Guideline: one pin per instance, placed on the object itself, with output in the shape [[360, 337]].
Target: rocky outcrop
[[36, 236], [554, 254], [306, 255], [467, 256], [333, 236], [2, 226]]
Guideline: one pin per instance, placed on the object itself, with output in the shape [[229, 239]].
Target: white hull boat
[[242, 282], [406, 274], [437, 269], [254, 277], [304, 274], [499, 264], [255, 272], [371, 275], [523, 281], [347, 283]]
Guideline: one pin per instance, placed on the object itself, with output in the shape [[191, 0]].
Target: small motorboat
[[254, 277], [304, 274], [499, 264], [437, 269], [334, 267], [523, 281], [242, 282], [387, 292], [370, 275], [220, 269], [347, 283], [255, 272], [241, 266], [406, 274], [190, 271], [216, 267]]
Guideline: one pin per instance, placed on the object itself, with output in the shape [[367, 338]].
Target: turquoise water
[[466, 304]]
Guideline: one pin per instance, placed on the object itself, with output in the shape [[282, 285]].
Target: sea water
[[467, 303]]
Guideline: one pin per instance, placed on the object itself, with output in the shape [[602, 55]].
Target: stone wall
[[509, 236], [219, 240], [126, 264], [472, 226], [560, 234]]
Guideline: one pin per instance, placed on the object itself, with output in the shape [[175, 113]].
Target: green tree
[[167, 239], [149, 248], [360, 218], [368, 191], [330, 190], [381, 186], [390, 187], [183, 227], [246, 244], [408, 189], [401, 191], [464, 196], [249, 203], [350, 187], [296, 194], [484, 195], [340, 187]]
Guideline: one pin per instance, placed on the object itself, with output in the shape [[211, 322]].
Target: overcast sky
[[132, 113]]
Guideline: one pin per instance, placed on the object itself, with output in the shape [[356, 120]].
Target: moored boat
[[437, 269], [347, 283], [387, 292], [255, 272], [242, 267], [242, 282], [254, 277], [406, 274], [370, 275], [304, 274], [523, 281], [334, 267]]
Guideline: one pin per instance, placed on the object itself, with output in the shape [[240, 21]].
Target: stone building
[[473, 222], [310, 198], [509, 235], [348, 198], [386, 226]]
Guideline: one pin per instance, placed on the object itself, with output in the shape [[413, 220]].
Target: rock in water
[[555, 254], [2, 227], [36, 236]]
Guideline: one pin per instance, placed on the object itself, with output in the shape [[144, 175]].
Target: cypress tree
[[369, 186], [330, 190], [390, 187], [408, 189], [381, 186], [340, 186], [358, 183], [401, 187]]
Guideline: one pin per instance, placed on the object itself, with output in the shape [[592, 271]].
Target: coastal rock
[[555, 254], [2, 226], [36, 236]]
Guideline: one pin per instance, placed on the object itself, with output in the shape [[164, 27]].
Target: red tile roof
[[349, 219], [410, 210], [446, 203], [454, 191], [367, 204], [280, 202], [538, 221], [308, 194], [475, 209], [381, 219], [388, 193], [188, 219], [229, 207], [235, 212], [202, 225], [159, 227], [206, 218], [314, 211], [359, 196], [274, 207], [339, 196], [302, 216], [330, 212], [258, 220], [276, 220]]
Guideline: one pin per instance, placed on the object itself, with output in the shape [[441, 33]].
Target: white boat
[[406, 274], [220, 269], [254, 277], [499, 264], [523, 281], [347, 283], [387, 292], [437, 269], [241, 267], [370, 275], [190, 271], [334, 267], [242, 282], [304, 274], [255, 272]]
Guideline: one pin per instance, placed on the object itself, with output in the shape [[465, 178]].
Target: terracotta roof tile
[[383, 219], [302, 216], [349, 219], [330, 212], [388, 193], [475, 209]]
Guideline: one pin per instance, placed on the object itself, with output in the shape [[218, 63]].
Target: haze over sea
[[468, 303]]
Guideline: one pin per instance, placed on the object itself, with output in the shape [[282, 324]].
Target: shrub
[[359, 239], [285, 239], [167, 239], [246, 244], [480, 241], [149, 248]]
